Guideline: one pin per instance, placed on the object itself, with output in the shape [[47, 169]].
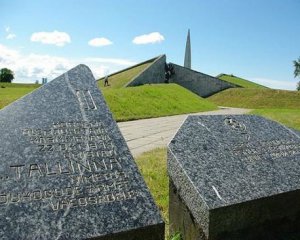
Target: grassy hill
[[288, 117], [10, 92], [154, 101], [120, 79], [280, 105], [239, 81], [131, 103], [257, 98]]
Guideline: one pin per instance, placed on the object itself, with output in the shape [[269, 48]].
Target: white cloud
[[276, 84], [8, 56], [28, 68], [11, 36], [154, 37], [117, 61], [55, 38], [31, 67], [100, 42]]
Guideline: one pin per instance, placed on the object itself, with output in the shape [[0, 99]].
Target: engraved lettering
[[50, 171], [18, 170], [54, 206], [85, 99], [3, 198], [34, 169]]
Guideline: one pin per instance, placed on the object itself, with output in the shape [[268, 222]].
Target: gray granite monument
[[234, 177], [66, 171]]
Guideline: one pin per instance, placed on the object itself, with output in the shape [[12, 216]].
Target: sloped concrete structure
[[131, 67], [155, 73], [199, 83]]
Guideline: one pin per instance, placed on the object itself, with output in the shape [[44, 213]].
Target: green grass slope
[[155, 100], [10, 92], [239, 81], [288, 117], [153, 166], [257, 98], [120, 79], [131, 103]]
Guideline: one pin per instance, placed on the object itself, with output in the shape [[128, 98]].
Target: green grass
[[9, 92], [240, 81], [288, 117], [155, 100], [257, 98], [131, 103], [119, 80], [153, 166]]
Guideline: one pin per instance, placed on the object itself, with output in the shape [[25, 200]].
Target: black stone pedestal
[[182, 221], [234, 177]]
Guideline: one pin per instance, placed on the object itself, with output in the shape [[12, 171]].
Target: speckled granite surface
[[66, 171], [234, 172]]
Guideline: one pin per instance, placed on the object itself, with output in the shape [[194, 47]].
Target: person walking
[[106, 81]]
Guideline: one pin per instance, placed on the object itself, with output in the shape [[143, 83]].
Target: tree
[[297, 68], [297, 71], [6, 75]]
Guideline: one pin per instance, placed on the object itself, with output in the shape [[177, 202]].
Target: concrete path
[[147, 134]]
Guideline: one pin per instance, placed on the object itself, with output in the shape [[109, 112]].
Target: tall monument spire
[[187, 56]]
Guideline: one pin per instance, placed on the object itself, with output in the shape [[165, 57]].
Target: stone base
[[181, 220], [155, 232]]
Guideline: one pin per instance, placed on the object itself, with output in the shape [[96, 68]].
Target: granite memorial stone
[[234, 177], [66, 171]]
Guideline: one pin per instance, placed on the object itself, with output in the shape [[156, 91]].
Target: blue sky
[[254, 39]]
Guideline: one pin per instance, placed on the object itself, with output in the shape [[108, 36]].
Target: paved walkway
[[147, 134]]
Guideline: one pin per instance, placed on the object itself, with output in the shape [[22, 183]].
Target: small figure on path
[[106, 81]]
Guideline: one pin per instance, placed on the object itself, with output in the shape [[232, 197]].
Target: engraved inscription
[[86, 100], [61, 198], [266, 149], [92, 200], [85, 156], [81, 138], [64, 167]]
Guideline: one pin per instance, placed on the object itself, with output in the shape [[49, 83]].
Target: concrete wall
[[199, 83], [155, 73], [126, 69]]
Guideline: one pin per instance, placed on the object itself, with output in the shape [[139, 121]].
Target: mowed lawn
[[257, 98], [154, 100], [240, 81], [9, 92], [131, 103], [288, 117], [280, 105], [153, 166]]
